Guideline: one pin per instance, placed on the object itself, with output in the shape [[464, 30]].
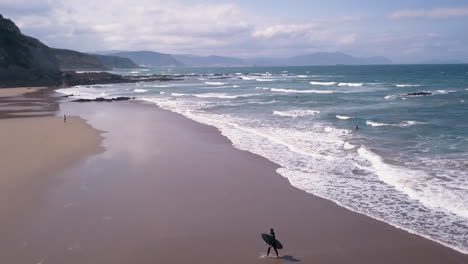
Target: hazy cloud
[[448, 12]]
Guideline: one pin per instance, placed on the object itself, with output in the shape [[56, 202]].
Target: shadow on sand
[[289, 258]]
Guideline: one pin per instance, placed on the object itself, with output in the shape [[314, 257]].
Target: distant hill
[[149, 58], [443, 62], [209, 61], [319, 58], [70, 60], [24, 61], [115, 62]]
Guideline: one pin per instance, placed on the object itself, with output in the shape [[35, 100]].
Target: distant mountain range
[[148, 58], [156, 59], [443, 62], [209, 61], [319, 58], [70, 60]]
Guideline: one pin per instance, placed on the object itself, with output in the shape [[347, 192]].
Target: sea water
[[407, 164]]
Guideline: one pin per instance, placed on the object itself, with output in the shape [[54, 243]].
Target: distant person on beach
[[64, 118], [273, 244], [356, 127]]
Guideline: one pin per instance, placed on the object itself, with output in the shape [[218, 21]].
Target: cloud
[[448, 12], [223, 28], [176, 27]]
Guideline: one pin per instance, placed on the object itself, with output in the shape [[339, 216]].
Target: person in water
[[273, 243]]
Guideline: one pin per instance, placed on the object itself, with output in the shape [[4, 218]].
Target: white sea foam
[[342, 117], [350, 84], [416, 184], [247, 78], [235, 86], [375, 124], [348, 146], [140, 90], [400, 124], [302, 76], [323, 83], [296, 113], [156, 85], [407, 85], [280, 90], [222, 95], [265, 80], [179, 94], [262, 88], [214, 83]]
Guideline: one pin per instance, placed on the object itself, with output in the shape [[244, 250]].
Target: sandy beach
[[170, 190], [33, 149]]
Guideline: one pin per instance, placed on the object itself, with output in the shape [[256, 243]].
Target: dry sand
[[170, 190]]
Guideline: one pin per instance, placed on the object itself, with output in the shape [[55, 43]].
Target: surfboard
[[269, 240]]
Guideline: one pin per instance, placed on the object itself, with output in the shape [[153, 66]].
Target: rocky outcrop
[[25, 61], [100, 99], [90, 78], [419, 94]]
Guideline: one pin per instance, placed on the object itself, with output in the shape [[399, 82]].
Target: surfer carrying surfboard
[[273, 243]]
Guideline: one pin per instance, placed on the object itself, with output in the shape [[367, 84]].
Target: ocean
[[406, 164]]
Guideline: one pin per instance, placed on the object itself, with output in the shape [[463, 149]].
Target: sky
[[408, 31]]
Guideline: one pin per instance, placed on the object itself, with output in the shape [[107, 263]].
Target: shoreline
[[409, 231], [447, 246], [179, 179], [137, 193]]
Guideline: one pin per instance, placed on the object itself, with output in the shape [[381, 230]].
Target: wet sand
[[170, 190], [32, 151]]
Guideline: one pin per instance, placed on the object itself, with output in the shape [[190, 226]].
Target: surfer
[[273, 243], [356, 127]]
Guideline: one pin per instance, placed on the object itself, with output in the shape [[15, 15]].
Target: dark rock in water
[[100, 99], [419, 93], [91, 78], [25, 61]]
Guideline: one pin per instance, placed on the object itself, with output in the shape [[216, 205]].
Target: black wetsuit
[[273, 245]]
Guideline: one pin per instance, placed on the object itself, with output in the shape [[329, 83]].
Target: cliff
[[25, 61]]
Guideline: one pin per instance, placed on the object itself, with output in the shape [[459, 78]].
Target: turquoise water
[[406, 164]]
